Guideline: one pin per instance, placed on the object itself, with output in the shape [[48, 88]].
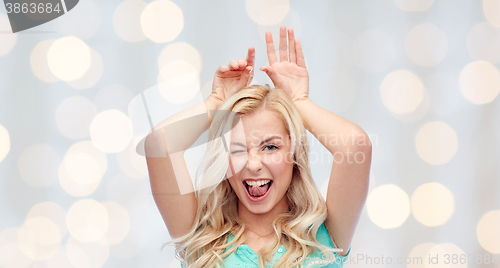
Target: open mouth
[[257, 189]]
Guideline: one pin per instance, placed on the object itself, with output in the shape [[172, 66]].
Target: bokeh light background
[[420, 77]]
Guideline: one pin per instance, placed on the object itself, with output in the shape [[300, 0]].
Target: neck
[[261, 224]]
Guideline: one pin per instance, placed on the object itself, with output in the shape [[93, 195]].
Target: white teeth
[[259, 183]]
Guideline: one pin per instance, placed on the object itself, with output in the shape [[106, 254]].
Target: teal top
[[245, 257]]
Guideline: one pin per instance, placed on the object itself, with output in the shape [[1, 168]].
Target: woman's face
[[261, 164]]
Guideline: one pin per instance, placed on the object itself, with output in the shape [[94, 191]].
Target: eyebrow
[[270, 139]]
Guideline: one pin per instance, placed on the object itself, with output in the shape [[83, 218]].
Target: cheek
[[232, 182], [279, 164], [276, 159], [236, 164]]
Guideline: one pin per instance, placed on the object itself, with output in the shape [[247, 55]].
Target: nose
[[254, 162]]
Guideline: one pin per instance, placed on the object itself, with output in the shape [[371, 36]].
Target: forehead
[[259, 125]]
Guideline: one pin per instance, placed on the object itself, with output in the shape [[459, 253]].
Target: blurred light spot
[[120, 222], [86, 11], [180, 51], [429, 255], [7, 39], [43, 235], [43, 230], [491, 9], [162, 21], [401, 91], [17, 249], [488, 231], [74, 188], [113, 97], [38, 165], [97, 253], [69, 58], [39, 62], [51, 211], [436, 143], [132, 194], [82, 186], [333, 50], [414, 6], [32, 249], [73, 117], [419, 111], [127, 20], [426, 45], [452, 250], [82, 168], [419, 255], [87, 147], [483, 41], [342, 93], [178, 82], [4, 143], [291, 20], [432, 204], [111, 131], [388, 206], [132, 164], [437, 250], [374, 51], [77, 256], [88, 220], [265, 12], [93, 74], [480, 82], [70, 256]]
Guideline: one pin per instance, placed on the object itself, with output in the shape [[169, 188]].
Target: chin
[[258, 209]]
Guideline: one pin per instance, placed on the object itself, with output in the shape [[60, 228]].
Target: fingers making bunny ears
[[288, 52], [250, 63], [242, 69], [241, 64]]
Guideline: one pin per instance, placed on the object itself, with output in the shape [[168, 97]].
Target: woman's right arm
[[171, 184]]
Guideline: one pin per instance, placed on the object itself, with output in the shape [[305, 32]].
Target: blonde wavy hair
[[217, 210]]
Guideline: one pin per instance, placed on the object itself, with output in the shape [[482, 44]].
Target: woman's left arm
[[348, 143], [348, 183]]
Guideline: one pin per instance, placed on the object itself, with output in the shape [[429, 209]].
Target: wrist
[[300, 98], [213, 103]]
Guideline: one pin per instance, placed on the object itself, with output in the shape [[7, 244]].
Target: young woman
[[256, 204]]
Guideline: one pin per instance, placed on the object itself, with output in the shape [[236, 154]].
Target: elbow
[[154, 145], [362, 142]]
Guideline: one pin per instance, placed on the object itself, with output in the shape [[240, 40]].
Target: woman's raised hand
[[230, 79], [290, 73]]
